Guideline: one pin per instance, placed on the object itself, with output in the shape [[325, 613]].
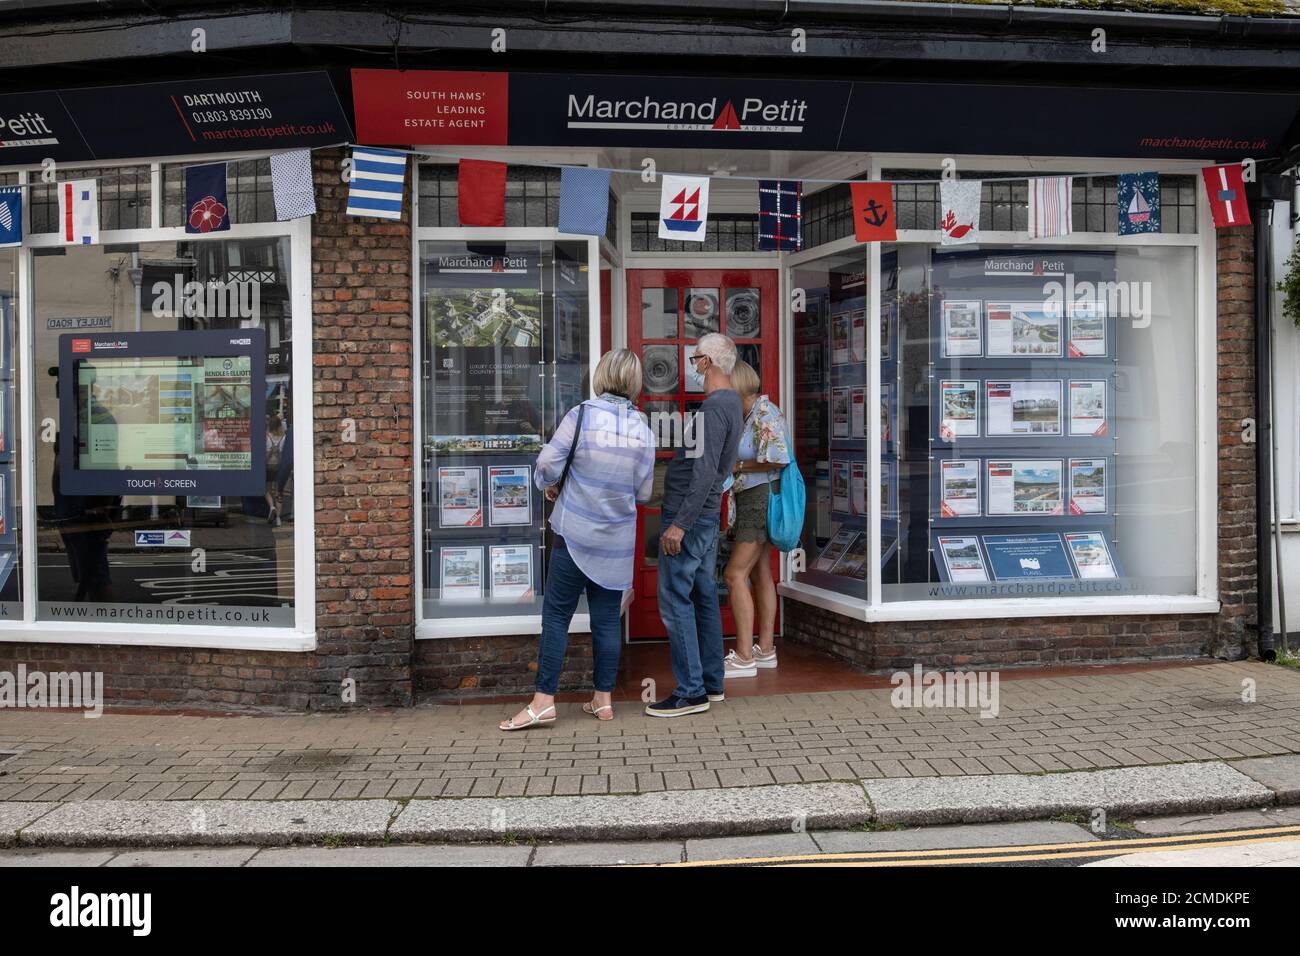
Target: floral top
[[763, 438]]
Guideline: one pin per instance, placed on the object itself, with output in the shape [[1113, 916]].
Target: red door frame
[[643, 615]]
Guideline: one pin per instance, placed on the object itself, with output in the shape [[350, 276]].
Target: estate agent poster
[[1024, 329], [482, 310], [1038, 556], [1090, 554], [858, 486], [959, 404], [960, 488], [858, 340], [512, 571], [1087, 408], [840, 335], [1023, 408], [834, 550], [962, 558], [961, 333], [1025, 487], [1087, 486], [853, 563], [1087, 330], [462, 573], [857, 412], [886, 419], [840, 486], [840, 412], [460, 497], [510, 495]]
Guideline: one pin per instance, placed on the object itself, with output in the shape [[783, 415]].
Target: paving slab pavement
[[1279, 774], [15, 816], [681, 813], [1173, 788], [206, 822], [610, 854], [1028, 833], [206, 856], [353, 856], [1209, 822]]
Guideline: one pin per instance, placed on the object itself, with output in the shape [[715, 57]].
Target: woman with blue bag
[[763, 453]]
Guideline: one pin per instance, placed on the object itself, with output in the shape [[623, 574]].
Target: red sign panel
[[430, 106]]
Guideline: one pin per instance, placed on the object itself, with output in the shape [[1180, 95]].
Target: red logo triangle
[[727, 119]]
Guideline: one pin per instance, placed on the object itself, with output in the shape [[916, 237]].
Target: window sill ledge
[[443, 628], [115, 635], [958, 610]]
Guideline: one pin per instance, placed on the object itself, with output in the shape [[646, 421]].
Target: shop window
[[248, 190], [727, 232], [125, 198], [532, 196], [1038, 422], [504, 355], [202, 559], [830, 420], [1004, 202], [11, 538]]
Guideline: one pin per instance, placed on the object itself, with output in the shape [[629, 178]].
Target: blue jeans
[[565, 583], [688, 605]]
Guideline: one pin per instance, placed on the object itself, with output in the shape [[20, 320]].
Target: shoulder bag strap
[[573, 446]]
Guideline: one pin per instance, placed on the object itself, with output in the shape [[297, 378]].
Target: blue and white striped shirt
[[613, 468]]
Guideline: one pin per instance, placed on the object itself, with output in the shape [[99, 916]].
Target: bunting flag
[[376, 186], [1139, 203], [959, 211], [1050, 201], [206, 208], [1227, 194], [584, 201], [11, 217], [79, 212], [684, 208], [780, 215], [873, 212], [291, 184], [481, 188]]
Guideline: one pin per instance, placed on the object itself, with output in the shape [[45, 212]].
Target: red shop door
[[667, 311]]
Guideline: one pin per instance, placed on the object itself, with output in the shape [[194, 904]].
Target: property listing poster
[[482, 309], [959, 407], [1025, 487], [1087, 408], [460, 497], [462, 573], [512, 571], [960, 483], [962, 558]]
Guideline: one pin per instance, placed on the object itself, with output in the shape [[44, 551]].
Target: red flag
[[873, 212], [482, 193], [1227, 195]]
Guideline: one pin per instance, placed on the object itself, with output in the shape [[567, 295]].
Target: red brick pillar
[[361, 337], [1236, 633]]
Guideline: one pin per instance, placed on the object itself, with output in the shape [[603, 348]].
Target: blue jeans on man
[[688, 604], [565, 584]]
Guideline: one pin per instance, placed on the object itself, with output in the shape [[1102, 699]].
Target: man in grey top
[[688, 543]]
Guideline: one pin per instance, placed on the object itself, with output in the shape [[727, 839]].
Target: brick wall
[[492, 666], [361, 336]]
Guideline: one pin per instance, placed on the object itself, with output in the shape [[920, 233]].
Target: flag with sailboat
[[683, 207], [1139, 203]]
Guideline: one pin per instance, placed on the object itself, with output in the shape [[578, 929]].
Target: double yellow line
[[1018, 854]]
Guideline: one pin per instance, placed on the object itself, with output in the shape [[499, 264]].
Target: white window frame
[[1206, 598], [300, 637], [433, 628]]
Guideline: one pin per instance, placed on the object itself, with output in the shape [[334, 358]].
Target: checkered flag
[[291, 182]]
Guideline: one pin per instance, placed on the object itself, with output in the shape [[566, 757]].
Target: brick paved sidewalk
[[1110, 719]]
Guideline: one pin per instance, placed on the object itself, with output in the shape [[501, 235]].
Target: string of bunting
[[378, 175]]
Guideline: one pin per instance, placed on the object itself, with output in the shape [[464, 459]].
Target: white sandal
[[534, 720], [589, 708]]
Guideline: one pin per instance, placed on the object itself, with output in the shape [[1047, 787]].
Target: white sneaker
[[764, 660], [733, 666]]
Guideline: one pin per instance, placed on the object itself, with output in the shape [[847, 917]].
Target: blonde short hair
[[745, 380], [619, 373]]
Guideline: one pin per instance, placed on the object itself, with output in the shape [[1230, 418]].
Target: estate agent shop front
[[1017, 449]]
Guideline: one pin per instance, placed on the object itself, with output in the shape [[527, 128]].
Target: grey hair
[[618, 372], [720, 350]]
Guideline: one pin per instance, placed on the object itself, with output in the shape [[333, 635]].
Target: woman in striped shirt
[[594, 521]]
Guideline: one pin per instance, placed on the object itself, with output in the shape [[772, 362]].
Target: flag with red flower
[[205, 199]]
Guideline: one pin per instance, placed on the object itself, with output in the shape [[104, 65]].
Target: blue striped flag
[[11, 217], [584, 201], [376, 187]]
